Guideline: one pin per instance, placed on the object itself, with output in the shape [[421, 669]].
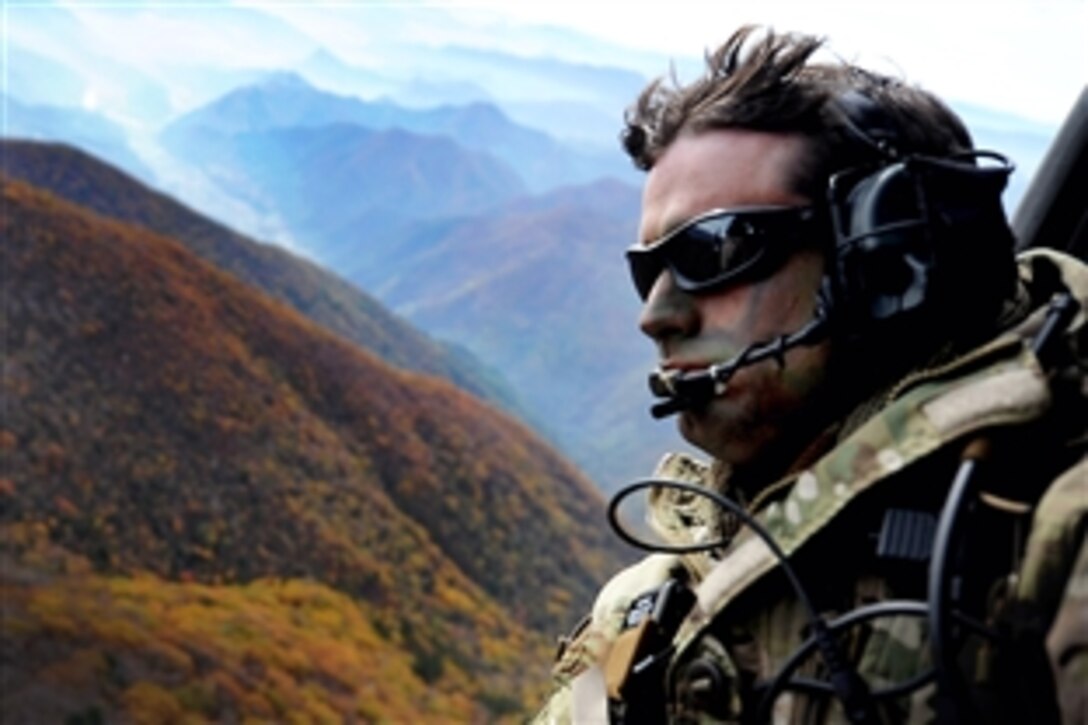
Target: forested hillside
[[196, 472]]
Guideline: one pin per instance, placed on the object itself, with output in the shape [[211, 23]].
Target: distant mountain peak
[[485, 111], [484, 107], [284, 80]]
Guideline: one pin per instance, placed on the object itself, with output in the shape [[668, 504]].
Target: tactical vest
[[858, 526]]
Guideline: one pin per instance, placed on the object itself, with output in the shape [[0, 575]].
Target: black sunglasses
[[722, 246]]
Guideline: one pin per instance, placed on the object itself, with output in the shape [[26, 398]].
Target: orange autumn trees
[[211, 502]]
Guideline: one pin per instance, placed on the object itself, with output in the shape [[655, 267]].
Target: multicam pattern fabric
[[682, 518], [1054, 578], [996, 387], [1011, 391], [677, 520]]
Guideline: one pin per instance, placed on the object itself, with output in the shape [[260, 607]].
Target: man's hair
[[760, 80], [767, 81]]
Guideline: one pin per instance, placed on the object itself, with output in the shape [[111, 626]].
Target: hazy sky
[[1027, 56]]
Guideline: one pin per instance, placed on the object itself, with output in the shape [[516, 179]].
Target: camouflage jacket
[[1025, 579]]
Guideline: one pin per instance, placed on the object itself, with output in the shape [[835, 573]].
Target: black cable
[[945, 578], [1063, 308], [943, 581], [847, 684], [729, 505], [782, 681]]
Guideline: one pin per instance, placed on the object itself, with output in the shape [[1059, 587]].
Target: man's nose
[[668, 311]]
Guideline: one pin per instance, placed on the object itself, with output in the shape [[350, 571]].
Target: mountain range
[[167, 422], [533, 284], [286, 100], [457, 251], [418, 205]]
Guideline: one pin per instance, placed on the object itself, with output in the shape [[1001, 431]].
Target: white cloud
[[178, 33], [1025, 56], [90, 99]]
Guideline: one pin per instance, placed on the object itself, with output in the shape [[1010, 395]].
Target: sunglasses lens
[[645, 267], [717, 249], [713, 251]]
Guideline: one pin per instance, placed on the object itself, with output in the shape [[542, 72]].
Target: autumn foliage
[[216, 509], [146, 650]]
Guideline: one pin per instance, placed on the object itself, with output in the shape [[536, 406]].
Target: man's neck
[[748, 483]]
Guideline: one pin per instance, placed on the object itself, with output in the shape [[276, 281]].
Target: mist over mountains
[[447, 236], [80, 128]]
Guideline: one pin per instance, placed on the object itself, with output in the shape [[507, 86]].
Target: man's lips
[[683, 366], [694, 357]]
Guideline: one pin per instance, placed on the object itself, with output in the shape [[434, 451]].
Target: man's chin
[[717, 430], [704, 430]]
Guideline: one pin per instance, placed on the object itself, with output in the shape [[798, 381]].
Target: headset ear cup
[[971, 230], [909, 235], [884, 256]]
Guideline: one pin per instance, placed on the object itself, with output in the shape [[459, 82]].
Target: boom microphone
[[694, 389]]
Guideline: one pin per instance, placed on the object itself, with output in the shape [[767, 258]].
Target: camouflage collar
[[1000, 384]]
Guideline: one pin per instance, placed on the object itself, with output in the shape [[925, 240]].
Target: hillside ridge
[[165, 419], [340, 306]]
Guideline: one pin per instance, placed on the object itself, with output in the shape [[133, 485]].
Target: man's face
[[766, 409]]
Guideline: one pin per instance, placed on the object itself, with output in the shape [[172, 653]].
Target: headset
[[906, 231], [908, 228]]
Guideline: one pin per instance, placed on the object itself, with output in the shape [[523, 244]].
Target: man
[[829, 280]]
